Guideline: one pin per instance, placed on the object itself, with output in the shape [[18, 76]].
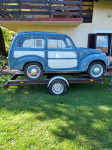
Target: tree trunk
[[2, 44]]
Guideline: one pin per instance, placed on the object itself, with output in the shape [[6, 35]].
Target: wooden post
[[50, 10], [81, 9], [19, 4]]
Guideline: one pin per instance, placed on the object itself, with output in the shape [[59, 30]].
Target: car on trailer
[[38, 53]]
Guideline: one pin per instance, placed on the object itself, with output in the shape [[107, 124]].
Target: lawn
[[32, 119]]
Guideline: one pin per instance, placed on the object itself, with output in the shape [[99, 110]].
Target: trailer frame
[[13, 81]]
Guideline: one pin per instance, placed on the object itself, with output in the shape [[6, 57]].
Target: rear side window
[[31, 42]]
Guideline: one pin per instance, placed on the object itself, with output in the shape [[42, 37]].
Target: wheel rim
[[33, 71], [57, 88], [96, 70]]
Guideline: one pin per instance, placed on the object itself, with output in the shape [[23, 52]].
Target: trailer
[[57, 84]]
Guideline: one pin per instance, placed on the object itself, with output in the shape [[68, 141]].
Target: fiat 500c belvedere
[[38, 53]]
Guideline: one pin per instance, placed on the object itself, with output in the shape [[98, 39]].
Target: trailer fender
[[58, 77]]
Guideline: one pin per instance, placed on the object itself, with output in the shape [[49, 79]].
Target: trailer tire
[[33, 71], [57, 87]]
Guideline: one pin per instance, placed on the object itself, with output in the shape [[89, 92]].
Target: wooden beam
[[40, 13], [23, 7], [8, 1], [66, 13], [25, 12], [40, 7], [65, 8], [50, 2]]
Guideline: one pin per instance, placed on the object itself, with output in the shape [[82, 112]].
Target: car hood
[[90, 51]]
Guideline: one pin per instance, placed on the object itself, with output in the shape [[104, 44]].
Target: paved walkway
[[11, 71]]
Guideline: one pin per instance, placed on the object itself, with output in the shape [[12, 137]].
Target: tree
[[2, 44]]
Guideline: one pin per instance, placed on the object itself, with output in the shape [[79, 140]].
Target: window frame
[[95, 41]]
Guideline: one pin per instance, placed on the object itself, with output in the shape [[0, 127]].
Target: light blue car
[[38, 53]]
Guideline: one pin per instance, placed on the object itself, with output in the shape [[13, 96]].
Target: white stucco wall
[[101, 23]]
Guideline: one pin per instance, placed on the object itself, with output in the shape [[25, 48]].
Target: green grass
[[32, 119]]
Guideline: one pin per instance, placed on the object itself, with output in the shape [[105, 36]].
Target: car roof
[[42, 33]]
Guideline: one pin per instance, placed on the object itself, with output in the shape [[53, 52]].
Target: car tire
[[96, 70], [57, 87], [33, 71]]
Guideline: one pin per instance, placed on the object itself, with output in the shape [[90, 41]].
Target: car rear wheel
[[96, 70], [33, 71]]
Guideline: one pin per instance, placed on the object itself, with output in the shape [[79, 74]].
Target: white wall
[[101, 23]]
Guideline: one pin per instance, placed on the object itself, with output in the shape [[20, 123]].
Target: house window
[[101, 41]]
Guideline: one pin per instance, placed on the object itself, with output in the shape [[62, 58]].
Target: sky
[[102, 41]]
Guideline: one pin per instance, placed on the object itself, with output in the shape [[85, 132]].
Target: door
[[61, 54]]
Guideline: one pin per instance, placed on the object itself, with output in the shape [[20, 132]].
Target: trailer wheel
[[96, 70], [33, 71], [57, 87]]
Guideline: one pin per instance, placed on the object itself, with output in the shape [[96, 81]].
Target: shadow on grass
[[84, 114]]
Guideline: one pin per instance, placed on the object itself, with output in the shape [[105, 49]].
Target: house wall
[[101, 23]]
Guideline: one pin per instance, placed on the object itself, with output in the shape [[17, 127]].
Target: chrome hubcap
[[96, 70], [33, 71], [58, 88]]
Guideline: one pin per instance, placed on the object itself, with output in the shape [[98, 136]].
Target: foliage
[[3, 61], [8, 36], [31, 119]]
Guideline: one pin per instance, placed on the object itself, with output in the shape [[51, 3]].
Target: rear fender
[[19, 63]]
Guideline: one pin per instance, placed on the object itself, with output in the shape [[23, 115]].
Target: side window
[[25, 42], [39, 42], [31, 42], [54, 42]]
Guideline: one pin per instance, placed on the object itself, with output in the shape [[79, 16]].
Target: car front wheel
[[96, 70], [33, 71]]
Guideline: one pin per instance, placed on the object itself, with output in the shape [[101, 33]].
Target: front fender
[[19, 63], [84, 64]]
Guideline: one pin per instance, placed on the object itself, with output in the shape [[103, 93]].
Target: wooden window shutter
[[92, 41]]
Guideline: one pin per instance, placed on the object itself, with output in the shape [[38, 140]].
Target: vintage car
[[38, 53]]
